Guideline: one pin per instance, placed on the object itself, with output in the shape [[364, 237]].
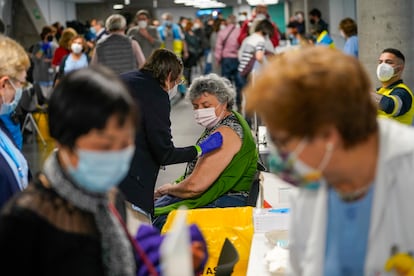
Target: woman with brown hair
[[349, 31]]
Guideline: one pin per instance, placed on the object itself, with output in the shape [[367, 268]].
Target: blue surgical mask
[[8, 108], [99, 171]]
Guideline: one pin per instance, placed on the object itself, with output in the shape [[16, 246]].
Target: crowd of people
[[108, 94]]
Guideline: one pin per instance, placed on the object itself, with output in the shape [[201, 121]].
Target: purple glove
[[214, 141]]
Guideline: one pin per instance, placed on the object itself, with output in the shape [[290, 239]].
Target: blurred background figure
[[316, 21], [254, 49], [299, 18], [59, 29], [98, 29], [14, 172], [349, 30], [117, 51], [64, 46], [146, 35], [258, 14], [195, 51], [226, 54], [172, 37], [92, 119], [75, 60], [42, 54], [218, 25], [321, 37]]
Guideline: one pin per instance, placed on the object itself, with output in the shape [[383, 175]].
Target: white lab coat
[[392, 218]]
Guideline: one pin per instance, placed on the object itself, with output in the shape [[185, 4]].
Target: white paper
[[176, 255]]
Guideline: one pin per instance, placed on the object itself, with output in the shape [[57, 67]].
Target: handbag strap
[[227, 36], [142, 255]]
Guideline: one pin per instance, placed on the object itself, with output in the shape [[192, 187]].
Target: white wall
[[57, 10], [5, 14]]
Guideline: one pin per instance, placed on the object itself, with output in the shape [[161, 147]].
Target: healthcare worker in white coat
[[353, 214]]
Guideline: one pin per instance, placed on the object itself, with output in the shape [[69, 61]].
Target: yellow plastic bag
[[216, 224]]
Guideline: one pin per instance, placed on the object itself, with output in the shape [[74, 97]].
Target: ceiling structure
[[160, 3]]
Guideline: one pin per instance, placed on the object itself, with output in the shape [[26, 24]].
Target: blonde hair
[[67, 35], [13, 58]]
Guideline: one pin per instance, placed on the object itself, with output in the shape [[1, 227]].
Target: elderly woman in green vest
[[221, 178]]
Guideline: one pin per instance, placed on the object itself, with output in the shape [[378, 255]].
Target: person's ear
[[3, 81]]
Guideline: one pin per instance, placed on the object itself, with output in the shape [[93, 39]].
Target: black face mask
[[312, 21], [50, 38]]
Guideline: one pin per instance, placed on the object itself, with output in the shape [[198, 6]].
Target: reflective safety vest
[[406, 118], [325, 39], [178, 44]]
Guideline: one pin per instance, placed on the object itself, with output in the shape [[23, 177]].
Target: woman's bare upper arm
[[210, 166]]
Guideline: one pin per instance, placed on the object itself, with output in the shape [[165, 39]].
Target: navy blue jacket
[[153, 141]]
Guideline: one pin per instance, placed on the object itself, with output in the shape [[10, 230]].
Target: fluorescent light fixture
[[127, 2], [265, 2], [210, 5], [118, 7], [202, 4]]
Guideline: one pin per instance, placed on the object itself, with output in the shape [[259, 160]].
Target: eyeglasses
[[23, 84]]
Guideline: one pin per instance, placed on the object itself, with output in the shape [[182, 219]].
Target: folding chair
[[29, 103]]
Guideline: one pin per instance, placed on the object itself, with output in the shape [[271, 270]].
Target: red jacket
[[244, 32]]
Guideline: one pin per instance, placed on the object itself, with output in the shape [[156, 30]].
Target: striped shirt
[[248, 49]]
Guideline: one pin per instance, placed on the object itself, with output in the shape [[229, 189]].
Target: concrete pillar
[[386, 24]]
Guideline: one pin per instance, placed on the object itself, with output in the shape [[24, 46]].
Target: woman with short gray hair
[[213, 84], [221, 178]]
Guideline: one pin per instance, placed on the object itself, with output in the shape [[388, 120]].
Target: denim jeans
[[229, 71], [236, 199]]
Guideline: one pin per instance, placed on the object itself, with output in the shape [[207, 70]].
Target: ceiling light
[[118, 7], [262, 2]]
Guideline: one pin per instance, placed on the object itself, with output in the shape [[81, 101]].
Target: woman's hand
[[163, 190]]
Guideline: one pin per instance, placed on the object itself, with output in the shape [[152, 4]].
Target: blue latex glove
[[214, 141], [45, 47]]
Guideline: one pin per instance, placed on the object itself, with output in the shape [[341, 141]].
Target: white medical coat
[[392, 217]]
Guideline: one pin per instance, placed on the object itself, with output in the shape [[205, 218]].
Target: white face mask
[[222, 27], [142, 24], [260, 16], [207, 117], [385, 72], [173, 91], [76, 48]]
